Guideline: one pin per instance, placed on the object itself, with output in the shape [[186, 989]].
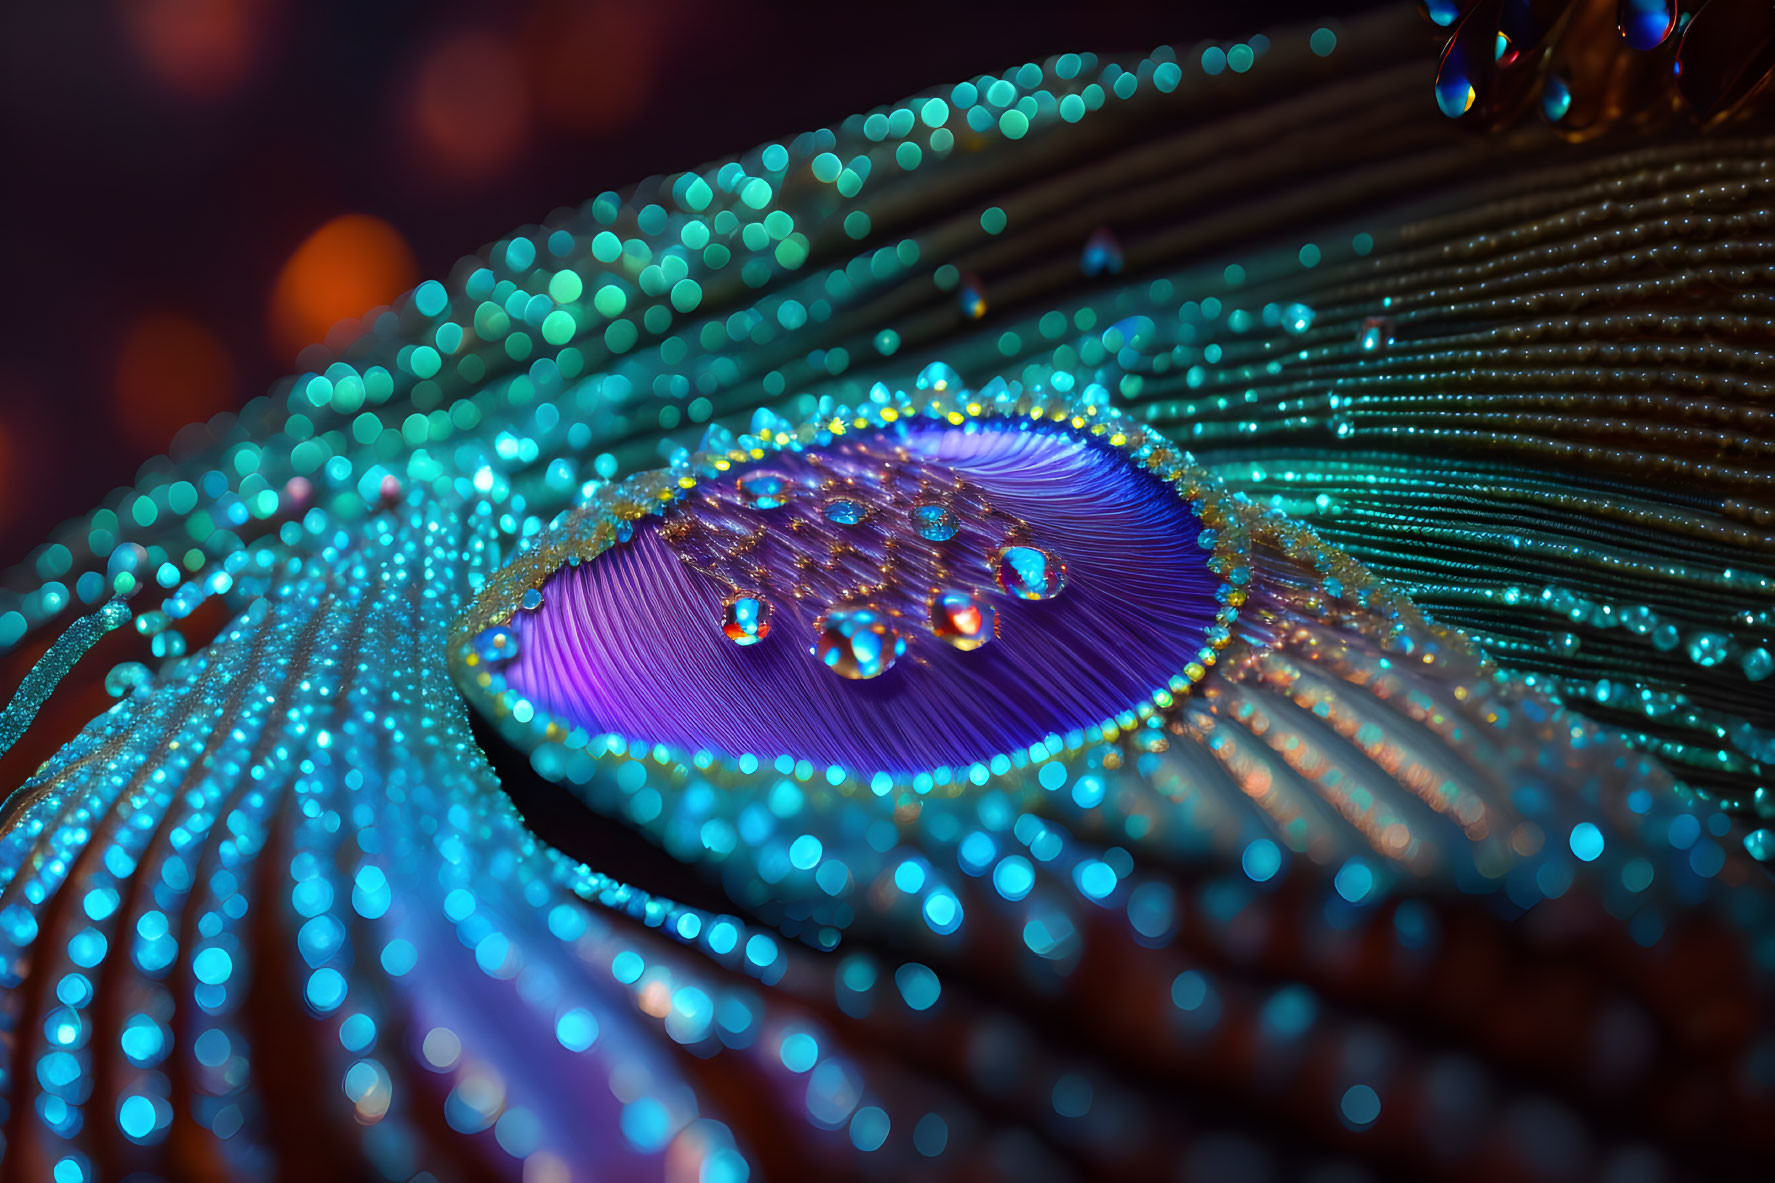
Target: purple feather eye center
[[836, 605]]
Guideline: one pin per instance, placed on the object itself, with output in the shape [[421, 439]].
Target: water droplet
[[939, 376], [1442, 13], [1030, 573], [846, 511], [1645, 23], [962, 620], [1102, 254], [124, 677], [532, 599], [745, 618], [1468, 60], [765, 489], [972, 294], [498, 643], [858, 643], [1556, 98], [1375, 334], [1297, 318], [934, 522]]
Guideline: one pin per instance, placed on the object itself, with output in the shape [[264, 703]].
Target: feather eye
[[901, 592]]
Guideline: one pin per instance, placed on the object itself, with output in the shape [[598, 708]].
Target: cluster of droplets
[[876, 540]]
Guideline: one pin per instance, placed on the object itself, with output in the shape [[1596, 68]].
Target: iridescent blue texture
[[629, 642]]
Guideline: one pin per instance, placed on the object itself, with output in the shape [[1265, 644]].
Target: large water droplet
[[765, 489], [1556, 98], [532, 599], [962, 620], [846, 511], [1645, 23], [497, 643], [745, 618], [858, 643], [934, 521], [1102, 254], [1030, 573]]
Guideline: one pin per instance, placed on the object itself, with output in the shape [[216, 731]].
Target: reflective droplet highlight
[[745, 618], [765, 490], [845, 511], [934, 522], [962, 620], [858, 643], [497, 643], [1556, 98], [1029, 573], [1645, 23]]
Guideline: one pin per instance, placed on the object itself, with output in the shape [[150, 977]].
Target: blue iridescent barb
[[1373, 789]]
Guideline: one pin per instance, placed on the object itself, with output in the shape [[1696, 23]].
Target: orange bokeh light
[[347, 267], [470, 106], [200, 48], [171, 370]]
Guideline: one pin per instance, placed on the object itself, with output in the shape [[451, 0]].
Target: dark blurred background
[[194, 189]]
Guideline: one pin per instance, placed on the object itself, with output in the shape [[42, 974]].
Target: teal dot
[[425, 361], [1323, 41], [520, 253], [1213, 60], [212, 966], [826, 167], [935, 112], [1362, 243], [757, 193], [993, 220], [686, 295], [869, 1128], [1014, 124], [430, 298], [1361, 1106], [856, 224], [1240, 58], [565, 287], [1261, 860], [918, 985], [558, 327], [800, 1051], [908, 155], [1309, 255], [1587, 841], [135, 1117]]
